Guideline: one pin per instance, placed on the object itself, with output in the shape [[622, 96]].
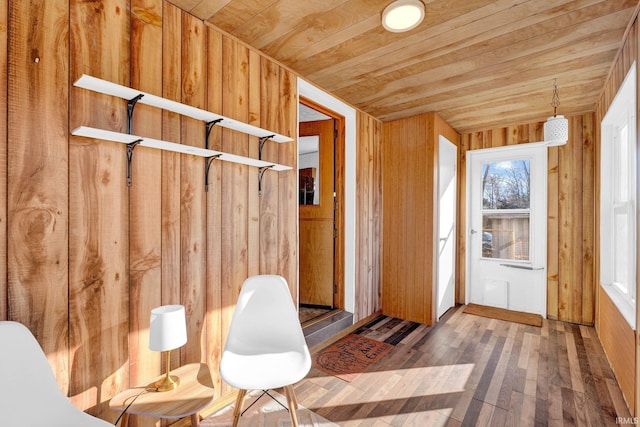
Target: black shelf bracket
[[208, 127], [262, 140], [207, 166], [261, 171], [130, 147], [131, 104]]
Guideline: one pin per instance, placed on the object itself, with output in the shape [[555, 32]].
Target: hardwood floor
[[309, 314], [474, 371]]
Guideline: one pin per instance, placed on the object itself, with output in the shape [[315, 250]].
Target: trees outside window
[[506, 203]]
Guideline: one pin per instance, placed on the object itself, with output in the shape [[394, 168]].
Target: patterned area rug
[[350, 356], [265, 413]]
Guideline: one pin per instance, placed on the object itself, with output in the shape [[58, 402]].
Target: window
[[618, 200], [506, 209]]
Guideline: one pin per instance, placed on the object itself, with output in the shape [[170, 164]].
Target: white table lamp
[[167, 331]]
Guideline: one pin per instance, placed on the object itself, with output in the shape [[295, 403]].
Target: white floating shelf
[[108, 88], [125, 138]]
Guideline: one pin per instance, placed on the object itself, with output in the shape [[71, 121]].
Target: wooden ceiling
[[478, 63]]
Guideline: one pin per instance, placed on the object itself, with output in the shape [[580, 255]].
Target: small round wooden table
[[193, 394]]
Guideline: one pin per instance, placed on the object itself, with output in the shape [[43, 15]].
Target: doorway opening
[[320, 211], [447, 172]]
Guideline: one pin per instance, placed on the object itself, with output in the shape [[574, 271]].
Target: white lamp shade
[[167, 328], [556, 128]]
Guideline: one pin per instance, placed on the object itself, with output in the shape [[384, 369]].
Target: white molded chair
[[29, 393], [265, 348]]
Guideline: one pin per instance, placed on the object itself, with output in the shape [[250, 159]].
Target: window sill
[[626, 308]]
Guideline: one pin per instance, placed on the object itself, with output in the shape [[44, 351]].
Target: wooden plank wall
[[4, 26], [614, 333], [98, 210], [410, 236], [145, 245], [571, 223], [84, 258], [369, 223], [619, 342], [408, 171], [36, 177]]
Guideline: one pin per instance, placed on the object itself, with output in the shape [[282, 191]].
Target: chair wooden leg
[[291, 396], [195, 420], [293, 404], [238, 409]]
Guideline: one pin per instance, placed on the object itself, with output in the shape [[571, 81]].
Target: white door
[[507, 234], [447, 166]]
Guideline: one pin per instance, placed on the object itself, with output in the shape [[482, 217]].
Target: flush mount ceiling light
[[402, 15]]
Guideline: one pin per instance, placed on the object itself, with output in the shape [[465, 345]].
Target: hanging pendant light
[[556, 128]]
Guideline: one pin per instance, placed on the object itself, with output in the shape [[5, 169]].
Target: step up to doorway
[[325, 328]]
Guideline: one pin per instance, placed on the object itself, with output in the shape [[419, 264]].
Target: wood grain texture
[[269, 105], [461, 216], [194, 392], [570, 225], [98, 211], [618, 342], [480, 64], [145, 203], [471, 370], [316, 268], [115, 252], [369, 223], [35, 178], [316, 242], [552, 232], [407, 219], [213, 319], [340, 220], [192, 195], [410, 220], [171, 162], [4, 73], [288, 181], [589, 225], [235, 194], [253, 203]]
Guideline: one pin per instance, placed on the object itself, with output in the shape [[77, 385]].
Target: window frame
[[619, 167]]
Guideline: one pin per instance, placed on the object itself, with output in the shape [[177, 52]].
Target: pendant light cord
[[555, 100]]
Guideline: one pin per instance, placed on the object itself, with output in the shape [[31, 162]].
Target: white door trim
[[315, 94], [445, 297]]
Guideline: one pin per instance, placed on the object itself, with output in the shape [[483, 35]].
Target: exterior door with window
[[507, 209]]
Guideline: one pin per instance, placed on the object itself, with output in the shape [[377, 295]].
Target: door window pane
[[506, 209], [505, 185], [505, 236], [309, 170]]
